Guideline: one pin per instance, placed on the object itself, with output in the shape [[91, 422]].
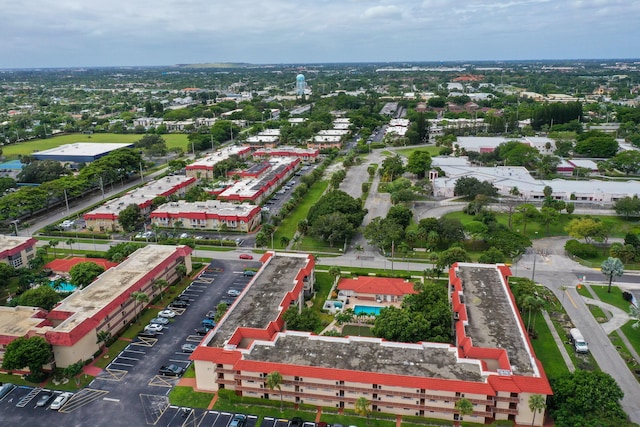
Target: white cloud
[[388, 12]]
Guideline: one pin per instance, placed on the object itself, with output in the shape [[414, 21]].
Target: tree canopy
[[83, 273], [335, 209], [42, 296], [419, 163], [129, 217], [33, 352]]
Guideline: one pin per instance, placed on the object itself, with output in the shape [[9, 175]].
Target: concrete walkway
[[559, 342]]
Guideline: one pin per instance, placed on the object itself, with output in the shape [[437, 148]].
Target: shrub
[[581, 250]]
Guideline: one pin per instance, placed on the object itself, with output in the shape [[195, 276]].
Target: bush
[[581, 250]]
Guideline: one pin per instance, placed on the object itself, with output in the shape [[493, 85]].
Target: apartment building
[[208, 215], [17, 251]]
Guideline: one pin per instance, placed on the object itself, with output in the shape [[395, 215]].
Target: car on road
[[60, 400], [155, 327], [171, 370], [233, 292], [238, 420], [246, 256], [189, 348], [44, 400], [178, 304], [169, 314], [159, 321], [249, 273], [202, 330], [208, 323]]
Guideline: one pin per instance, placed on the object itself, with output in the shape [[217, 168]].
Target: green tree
[[451, 256], [70, 242], [362, 407], [307, 320], [274, 381], [33, 352], [160, 284], [129, 217], [381, 233], [84, 273], [42, 296], [612, 268], [103, 337], [588, 229], [471, 187], [392, 167], [627, 206], [492, 255], [333, 227], [337, 201], [464, 407], [181, 271], [547, 217], [401, 215], [537, 404], [419, 163], [139, 299], [526, 213], [627, 161]]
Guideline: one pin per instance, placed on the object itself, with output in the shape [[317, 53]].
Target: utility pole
[[66, 200], [141, 175]]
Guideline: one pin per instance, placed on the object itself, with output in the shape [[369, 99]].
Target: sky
[[81, 33]]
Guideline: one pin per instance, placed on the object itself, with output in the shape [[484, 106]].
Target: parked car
[[208, 323], [171, 370], [184, 236], [178, 304], [296, 422], [189, 348], [249, 273], [226, 301], [156, 327], [246, 256], [159, 320], [44, 400], [169, 314], [233, 292], [211, 314], [182, 298], [60, 400], [202, 330], [238, 420], [147, 333]]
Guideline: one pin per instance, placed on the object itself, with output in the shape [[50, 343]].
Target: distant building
[[208, 215], [17, 251], [203, 168], [79, 152], [309, 155], [377, 289]]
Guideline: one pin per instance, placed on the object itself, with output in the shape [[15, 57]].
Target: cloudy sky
[[61, 33]]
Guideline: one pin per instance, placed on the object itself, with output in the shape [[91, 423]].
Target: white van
[[578, 341]]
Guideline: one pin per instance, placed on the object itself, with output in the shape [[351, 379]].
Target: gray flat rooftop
[[10, 242], [18, 321], [261, 302], [492, 319], [368, 355]]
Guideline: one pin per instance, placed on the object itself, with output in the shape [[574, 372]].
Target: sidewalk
[[559, 342]]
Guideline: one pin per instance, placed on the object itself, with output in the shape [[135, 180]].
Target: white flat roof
[[83, 149], [249, 187], [10, 242], [218, 156], [333, 132], [214, 207]]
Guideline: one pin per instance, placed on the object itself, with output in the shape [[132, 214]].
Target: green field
[[431, 149], [14, 150]]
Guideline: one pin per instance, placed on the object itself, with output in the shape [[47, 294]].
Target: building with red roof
[[208, 215], [491, 361], [17, 251], [65, 265], [309, 155], [203, 168], [379, 289], [73, 326]]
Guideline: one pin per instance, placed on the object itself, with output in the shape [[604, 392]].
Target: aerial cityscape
[[330, 214]]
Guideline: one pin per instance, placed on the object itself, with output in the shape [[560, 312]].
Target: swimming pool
[[64, 286], [368, 310]]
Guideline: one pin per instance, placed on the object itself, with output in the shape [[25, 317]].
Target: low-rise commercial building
[[79, 152], [17, 251], [105, 217], [208, 215], [308, 155], [491, 362], [106, 305], [203, 168]]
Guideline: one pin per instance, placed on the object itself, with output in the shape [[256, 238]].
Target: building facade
[[17, 251], [208, 215]]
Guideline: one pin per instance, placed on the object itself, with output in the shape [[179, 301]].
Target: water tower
[[301, 85]]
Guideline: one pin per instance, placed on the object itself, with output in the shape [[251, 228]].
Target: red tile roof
[[66, 264], [377, 285]]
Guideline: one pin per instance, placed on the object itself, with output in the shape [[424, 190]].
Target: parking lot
[[130, 391]]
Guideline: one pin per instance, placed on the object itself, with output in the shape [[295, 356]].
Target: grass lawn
[[629, 360], [431, 149], [185, 396], [357, 331], [323, 286], [614, 298], [289, 225], [546, 349], [14, 379], [598, 313], [632, 334], [84, 381], [14, 150]]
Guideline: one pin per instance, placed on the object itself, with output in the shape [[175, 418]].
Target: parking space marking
[[127, 357], [112, 374], [145, 342], [208, 280], [115, 362], [162, 381], [82, 398], [154, 407], [194, 338], [179, 311], [135, 351]]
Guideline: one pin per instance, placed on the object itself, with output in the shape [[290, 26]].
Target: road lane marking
[[571, 299]]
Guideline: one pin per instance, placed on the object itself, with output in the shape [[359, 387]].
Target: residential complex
[[203, 168], [492, 362], [207, 215], [308, 155], [17, 251], [106, 305], [105, 217]]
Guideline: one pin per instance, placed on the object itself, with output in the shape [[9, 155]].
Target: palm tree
[[53, 244], [103, 337], [160, 284], [284, 241], [531, 303], [70, 242], [274, 380], [93, 237], [181, 271], [362, 407], [464, 407], [537, 403], [139, 298], [612, 267]]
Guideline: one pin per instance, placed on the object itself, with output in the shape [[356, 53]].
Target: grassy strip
[[624, 352], [598, 313], [431, 149], [289, 225], [186, 396], [323, 287], [546, 349]]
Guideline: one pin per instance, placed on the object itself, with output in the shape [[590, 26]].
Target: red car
[[246, 256]]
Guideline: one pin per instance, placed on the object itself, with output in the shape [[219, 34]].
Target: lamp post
[[15, 224]]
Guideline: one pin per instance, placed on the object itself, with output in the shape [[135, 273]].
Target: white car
[[167, 313], [154, 327], [60, 400], [233, 293]]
